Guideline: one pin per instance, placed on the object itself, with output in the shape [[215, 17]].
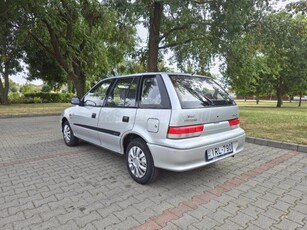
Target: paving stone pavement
[[46, 185]]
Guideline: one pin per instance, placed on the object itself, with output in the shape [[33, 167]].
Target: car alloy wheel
[[140, 163], [67, 133], [137, 162]]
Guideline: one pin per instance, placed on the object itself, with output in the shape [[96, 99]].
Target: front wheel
[[140, 163], [68, 135]]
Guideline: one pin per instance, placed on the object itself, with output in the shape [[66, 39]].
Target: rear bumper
[[178, 160]]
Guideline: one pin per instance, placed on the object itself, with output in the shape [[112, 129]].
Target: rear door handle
[[93, 115], [125, 119]]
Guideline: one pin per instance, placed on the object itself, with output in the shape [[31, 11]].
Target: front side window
[[197, 92], [123, 93], [96, 96]]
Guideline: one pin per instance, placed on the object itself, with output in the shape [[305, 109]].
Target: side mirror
[[75, 101]]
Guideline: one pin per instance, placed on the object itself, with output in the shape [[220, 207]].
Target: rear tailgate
[[214, 119]]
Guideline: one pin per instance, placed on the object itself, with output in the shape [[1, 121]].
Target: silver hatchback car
[[158, 120]]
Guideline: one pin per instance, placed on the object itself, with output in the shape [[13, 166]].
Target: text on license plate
[[219, 151]]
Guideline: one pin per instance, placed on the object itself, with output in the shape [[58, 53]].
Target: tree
[[298, 7], [283, 40], [240, 71], [84, 37], [299, 87], [46, 89], [29, 88], [194, 30], [10, 50], [247, 71]]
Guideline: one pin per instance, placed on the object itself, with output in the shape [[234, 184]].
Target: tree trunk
[[79, 84], [4, 100], [76, 75], [257, 100], [300, 101], [156, 9], [78, 78], [279, 98], [4, 90]]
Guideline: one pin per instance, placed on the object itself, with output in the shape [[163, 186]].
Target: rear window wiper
[[207, 102]]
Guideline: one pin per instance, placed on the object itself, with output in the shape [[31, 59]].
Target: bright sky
[[143, 34]]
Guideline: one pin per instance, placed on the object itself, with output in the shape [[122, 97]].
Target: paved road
[[46, 185]]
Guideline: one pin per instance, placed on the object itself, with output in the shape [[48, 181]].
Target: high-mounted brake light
[[234, 122], [175, 132]]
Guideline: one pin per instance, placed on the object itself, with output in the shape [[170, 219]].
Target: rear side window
[[153, 93], [197, 92], [123, 93]]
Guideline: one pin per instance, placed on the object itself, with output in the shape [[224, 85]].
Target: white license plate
[[219, 151]]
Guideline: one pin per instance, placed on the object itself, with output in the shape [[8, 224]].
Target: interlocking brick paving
[[46, 185]]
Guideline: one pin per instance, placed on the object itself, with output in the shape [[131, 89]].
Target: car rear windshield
[[198, 92]]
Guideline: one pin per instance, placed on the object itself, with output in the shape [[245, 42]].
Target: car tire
[[140, 163], [68, 135]]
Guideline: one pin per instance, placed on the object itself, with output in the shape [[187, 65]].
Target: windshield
[[197, 92]]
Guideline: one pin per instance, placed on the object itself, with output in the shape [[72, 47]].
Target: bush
[[16, 98], [49, 97], [46, 89], [37, 100]]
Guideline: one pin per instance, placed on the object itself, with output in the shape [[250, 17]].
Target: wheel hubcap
[[137, 162], [67, 133]]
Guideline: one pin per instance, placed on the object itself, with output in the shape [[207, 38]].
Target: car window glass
[[150, 92], [196, 92], [96, 96], [123, 93]]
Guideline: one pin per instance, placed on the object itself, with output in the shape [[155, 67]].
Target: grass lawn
[[264, 120], [22, 109]]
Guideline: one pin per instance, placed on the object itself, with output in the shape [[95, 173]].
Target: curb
[[30, 115], [277, 144]]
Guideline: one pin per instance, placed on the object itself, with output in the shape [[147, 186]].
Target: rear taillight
[[175, 132], [234, 122]]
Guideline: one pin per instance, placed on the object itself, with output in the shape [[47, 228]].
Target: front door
[[85, 120], [118, 115]]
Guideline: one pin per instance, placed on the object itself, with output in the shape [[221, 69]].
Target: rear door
[[118, 115], [154, 112]]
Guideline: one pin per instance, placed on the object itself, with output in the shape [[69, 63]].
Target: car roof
[[154, 73]]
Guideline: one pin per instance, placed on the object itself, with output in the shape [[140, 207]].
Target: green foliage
[[10, 51], [284, 41], [13, 87], [75, 40], [46, 89], [271, 58], [196, 31], [29, 88], [297, 7], [16, 98], [135, 66], [48, 97], [37, 100]]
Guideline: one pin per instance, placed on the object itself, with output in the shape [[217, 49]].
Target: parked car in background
[[157, 120]]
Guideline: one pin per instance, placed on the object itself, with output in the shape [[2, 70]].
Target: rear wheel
[[140, 163], [68, 135]]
